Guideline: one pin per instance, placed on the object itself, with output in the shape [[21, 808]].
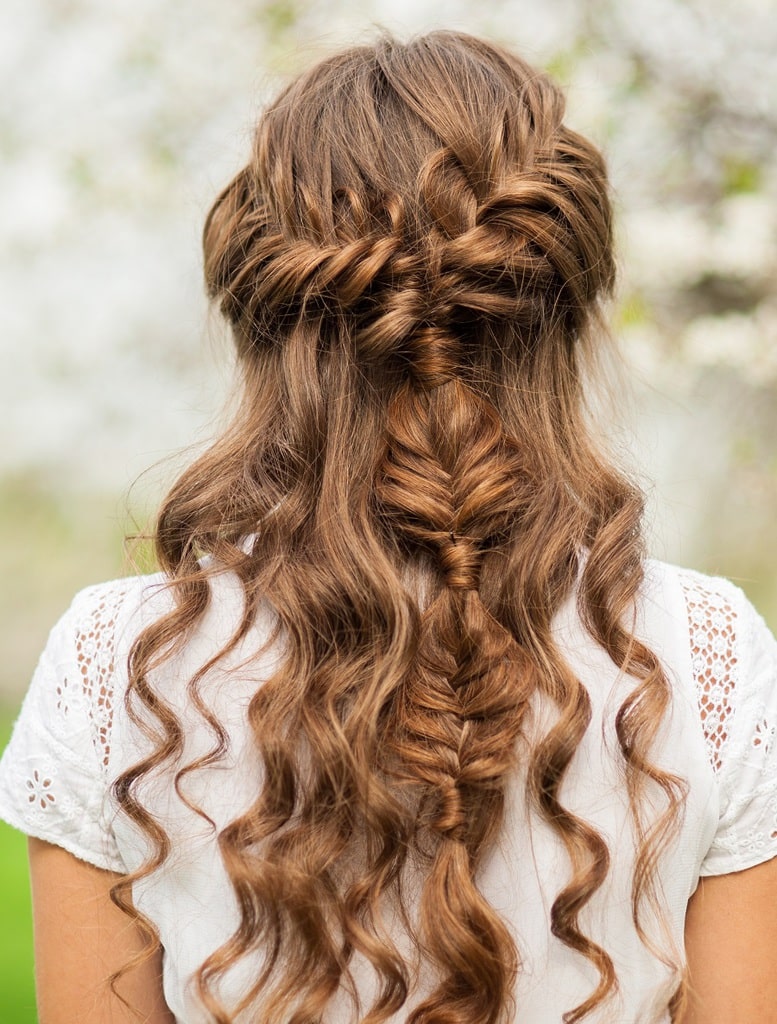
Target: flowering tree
[[124, 120]]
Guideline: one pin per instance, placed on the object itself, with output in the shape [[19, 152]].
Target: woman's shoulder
[[54, 770], [723, 627], [110, 600], [715, 588], [732, 659], [80, 674], [110, 611], [99, 611], [720, 622]]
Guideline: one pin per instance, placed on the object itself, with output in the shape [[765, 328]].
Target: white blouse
[[73, 738]]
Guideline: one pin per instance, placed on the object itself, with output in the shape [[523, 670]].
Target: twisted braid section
[[266, 279], [512, 255], [515, 251]]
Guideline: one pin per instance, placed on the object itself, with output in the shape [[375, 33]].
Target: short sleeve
[[735, 665], [53, 773]]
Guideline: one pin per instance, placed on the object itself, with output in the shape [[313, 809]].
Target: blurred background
[[121, 121]]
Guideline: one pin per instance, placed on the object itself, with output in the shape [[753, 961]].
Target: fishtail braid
[[452, 483]]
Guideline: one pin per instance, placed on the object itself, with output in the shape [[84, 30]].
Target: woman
[[407, 727]]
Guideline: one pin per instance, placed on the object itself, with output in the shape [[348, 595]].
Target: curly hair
[[413, 265]]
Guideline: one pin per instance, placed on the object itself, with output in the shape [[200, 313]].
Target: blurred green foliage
[[632, 310], [741, 176], [17, 990]]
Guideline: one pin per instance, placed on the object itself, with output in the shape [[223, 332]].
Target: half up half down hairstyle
[[412, 264]]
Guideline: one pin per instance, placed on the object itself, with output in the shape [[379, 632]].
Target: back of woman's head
[[408, 186], [412, 264]]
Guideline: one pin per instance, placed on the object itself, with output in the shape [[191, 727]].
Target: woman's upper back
[[74, 738]]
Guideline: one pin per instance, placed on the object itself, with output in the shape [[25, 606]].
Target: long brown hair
[[412, 263]]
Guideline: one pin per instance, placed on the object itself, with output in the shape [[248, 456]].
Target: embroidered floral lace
[[55, 767], [734, 660]]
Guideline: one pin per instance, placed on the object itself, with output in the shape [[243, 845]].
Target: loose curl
[[412, 264]]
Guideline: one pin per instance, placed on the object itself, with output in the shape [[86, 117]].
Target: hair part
[[412, 263]]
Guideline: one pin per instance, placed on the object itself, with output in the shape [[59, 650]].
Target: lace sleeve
[[54, 771], [735, 672]]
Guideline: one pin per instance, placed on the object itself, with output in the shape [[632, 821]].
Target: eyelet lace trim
[[95, 645], [713, 633]]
